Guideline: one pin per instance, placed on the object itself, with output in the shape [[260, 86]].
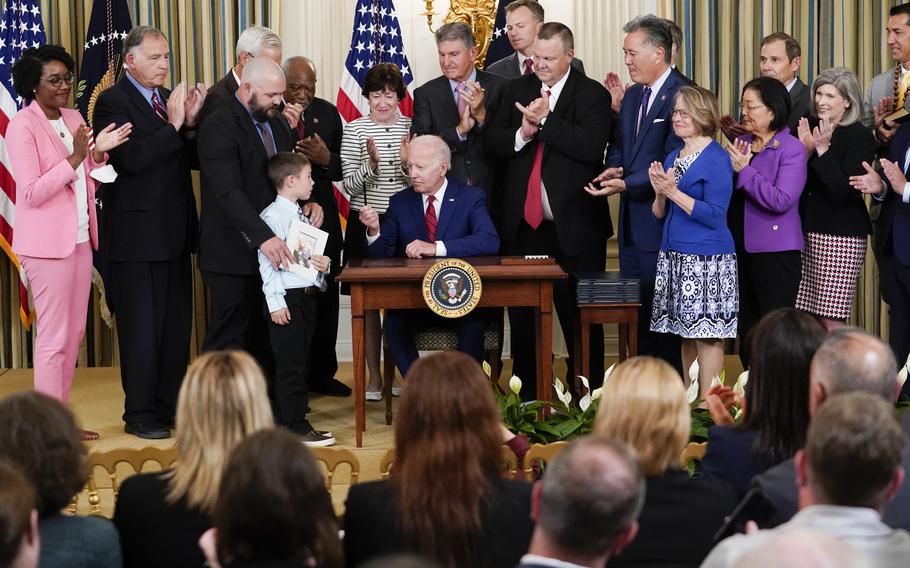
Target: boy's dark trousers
[[291, 348]]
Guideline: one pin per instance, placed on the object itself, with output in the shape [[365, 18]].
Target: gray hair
[[253, 39], [853, 360], [847, 85], [137, 34], [456, 31], [439, 147], [258, 68], [593, 491], [657, 32], [287, 63]]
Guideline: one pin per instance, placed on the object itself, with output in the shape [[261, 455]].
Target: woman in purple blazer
[[770, 166], [55, 223]]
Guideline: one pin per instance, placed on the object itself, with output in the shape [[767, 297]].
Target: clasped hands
[[871, 182], [474, 112], [184, 104], [534, 113], [607, 183], [415, 249]]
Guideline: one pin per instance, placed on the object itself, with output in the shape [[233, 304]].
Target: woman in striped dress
[[373, 149]]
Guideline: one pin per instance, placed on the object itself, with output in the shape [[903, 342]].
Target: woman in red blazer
[[55, 223]]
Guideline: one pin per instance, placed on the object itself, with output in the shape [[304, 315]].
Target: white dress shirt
[[81, 191]]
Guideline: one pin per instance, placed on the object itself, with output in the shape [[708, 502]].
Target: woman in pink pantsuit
[[55, 222]]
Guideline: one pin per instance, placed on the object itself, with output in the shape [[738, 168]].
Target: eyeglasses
[[56, 80], [750, 108], [681, 114]]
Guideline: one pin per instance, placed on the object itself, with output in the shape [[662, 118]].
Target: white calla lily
[[740, 386], [902, 374], [598, 392], [716, 381], [692, 391], [515, 384], [557, 384], [562, 394], [608, 372], [584, 381], [487, 369], [585, 402], [693, 371]]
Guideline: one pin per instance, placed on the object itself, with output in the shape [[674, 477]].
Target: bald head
[[852, 360], [261, 87], [300, 74]]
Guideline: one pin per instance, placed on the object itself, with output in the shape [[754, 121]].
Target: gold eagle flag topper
[[480, 15]]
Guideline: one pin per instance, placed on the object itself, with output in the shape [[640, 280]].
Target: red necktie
[[429, 219], [529, 66], [301, 128], [533, 199], [159, 109]]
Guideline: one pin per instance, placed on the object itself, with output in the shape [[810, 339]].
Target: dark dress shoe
[[331, 387], [147, 431]]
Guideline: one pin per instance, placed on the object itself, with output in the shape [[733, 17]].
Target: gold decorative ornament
[[479, 15], [451, 288]]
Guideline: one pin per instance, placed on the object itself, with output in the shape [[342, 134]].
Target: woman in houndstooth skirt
[[836, 221]]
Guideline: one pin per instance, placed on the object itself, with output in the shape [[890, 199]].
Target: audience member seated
[[269, 480], [801, 548], [445, 499], [776, 411], [644, 405], [849, 360], [849, 469], [161, 515], [586, 505], [19, 540], [39, 435]]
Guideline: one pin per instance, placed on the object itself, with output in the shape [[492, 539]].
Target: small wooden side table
[[624, 314]]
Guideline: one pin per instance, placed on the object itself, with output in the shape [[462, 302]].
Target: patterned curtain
[[202, 35], [721, 48]]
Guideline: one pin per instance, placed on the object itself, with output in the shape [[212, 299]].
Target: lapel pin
[[315, 120], [663, 97]]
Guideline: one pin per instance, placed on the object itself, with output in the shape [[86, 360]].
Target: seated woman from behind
[[644, 405], [445, 499], [161, 515]]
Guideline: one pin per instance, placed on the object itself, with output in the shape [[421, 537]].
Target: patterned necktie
[[429, 219], [159, 108], [267, 139], [460, 102], [534, 198], [645, 97], [529, 66]]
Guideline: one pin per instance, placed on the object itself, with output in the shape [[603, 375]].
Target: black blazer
[[435, 112], [154, 533], [321, 117], [235, 188], [677, 522], [892, 228], [832, 206], [575, 134], [371, 526], [220, 93], [149, 212], [508, 66], [730, 458], [800, 105]]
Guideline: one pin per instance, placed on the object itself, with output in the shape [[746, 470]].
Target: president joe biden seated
[[434, 217]]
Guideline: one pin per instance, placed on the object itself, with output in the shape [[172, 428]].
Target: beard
[[262, 113]]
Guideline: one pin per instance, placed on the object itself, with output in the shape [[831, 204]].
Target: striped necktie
[[159, 108], [430, 220]]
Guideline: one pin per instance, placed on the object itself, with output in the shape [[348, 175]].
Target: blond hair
[[644, 405], [223, 399]]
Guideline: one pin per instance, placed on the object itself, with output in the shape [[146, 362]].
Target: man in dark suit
[[235, 144], [253, 42], [319, 133], [458, 106], [643, 135], [551, 131], [892, 239], [150, 229], [435, 217], [523, 20], [586, 508], [780, 59]]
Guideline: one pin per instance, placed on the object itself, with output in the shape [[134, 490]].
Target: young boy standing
[[291, 300]]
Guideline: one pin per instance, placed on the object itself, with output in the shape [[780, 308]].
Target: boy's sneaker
[[317, 439]]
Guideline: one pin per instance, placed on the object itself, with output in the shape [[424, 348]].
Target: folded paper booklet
[[304, 241]]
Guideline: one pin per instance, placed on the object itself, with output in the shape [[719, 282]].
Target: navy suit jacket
[[892, 233], [464, 224], [637, 225]]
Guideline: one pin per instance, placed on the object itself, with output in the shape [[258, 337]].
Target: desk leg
[[357, 337], [624, 331], [545, 342], [585, 341], [633, 335]]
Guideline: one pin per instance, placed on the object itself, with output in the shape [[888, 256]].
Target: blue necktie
[[645, 97]]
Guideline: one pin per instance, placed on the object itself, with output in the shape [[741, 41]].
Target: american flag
[[21, 28], [376, 39], [499, 46]]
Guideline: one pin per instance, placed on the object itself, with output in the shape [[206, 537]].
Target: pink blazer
[[45, 221]]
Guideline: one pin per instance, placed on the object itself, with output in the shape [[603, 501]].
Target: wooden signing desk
[[395, 283]]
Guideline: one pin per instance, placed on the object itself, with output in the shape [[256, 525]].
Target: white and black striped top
[[364, 186]]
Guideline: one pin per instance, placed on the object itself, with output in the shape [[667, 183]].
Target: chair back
[[109, 460], [693, 451], [331, 458], [538, 455]]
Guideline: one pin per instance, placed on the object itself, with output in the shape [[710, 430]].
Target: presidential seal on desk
[[451, 288]]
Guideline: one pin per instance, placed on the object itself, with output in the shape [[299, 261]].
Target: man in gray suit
[[523, 18], [458, 105], [884, 94]]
